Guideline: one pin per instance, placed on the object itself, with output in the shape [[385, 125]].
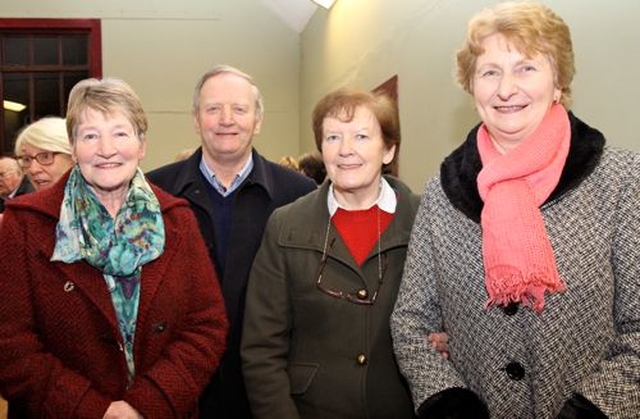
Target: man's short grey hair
[[227, 69]]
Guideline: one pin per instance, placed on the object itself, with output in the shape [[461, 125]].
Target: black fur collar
[[460, 169]]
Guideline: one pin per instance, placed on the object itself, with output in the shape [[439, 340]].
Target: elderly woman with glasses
[[44, 152], [316, 340], [114, 309]]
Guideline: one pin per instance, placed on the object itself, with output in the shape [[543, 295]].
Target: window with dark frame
[[40, 61]]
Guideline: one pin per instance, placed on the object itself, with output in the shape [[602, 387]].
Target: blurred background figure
[[184, 154], [290, 162], [311, 165], [44, 152], [13, 182]]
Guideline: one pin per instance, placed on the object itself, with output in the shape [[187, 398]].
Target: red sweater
[[359, 230], [60, 350]]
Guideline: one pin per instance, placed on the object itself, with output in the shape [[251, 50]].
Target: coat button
[[510, 309], [159, 327], [362, 294], [68, 286], [361, 359], [515, 371]]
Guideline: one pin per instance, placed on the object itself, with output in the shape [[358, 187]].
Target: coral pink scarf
[[518, 258]]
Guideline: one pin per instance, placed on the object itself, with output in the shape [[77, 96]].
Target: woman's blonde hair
[[107, 96], [49, 134], [532, 28]]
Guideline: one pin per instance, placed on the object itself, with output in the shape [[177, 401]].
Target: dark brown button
[[361, 359], [515, 371], [510, 309], [362, 294]]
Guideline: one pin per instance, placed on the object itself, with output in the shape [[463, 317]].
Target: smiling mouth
[[349, 166], [509, 109], [108, 165]]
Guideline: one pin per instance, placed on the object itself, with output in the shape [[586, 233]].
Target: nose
[[226, 116], [507, 86], [35, 167], [106, 147], [346, 145]]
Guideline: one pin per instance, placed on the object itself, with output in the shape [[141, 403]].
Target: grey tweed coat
[[522, 364]]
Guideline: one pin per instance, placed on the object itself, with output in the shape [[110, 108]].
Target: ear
[[557, 94], [73, 152], [196, 122], [258, 125], [389, 154], [143, 147]]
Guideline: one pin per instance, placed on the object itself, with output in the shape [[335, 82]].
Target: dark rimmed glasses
[[361, 296], [45, 159]]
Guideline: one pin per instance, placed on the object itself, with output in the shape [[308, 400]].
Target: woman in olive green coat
[[316, 340]]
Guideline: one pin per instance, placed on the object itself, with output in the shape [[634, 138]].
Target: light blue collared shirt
[[237, 181], [387, 200]]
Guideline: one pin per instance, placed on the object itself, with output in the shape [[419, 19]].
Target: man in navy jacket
[[232, 190]]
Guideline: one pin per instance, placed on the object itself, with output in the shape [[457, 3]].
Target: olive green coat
[[307, 354]]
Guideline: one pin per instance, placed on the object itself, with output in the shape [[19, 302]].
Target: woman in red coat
[[111, 307]]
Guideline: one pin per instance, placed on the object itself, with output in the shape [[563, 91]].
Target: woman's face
[[353, 153], [44, 175], [108, 151], [512, 92]]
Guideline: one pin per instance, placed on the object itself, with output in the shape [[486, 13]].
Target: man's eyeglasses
[[361, 296], [45, 159]]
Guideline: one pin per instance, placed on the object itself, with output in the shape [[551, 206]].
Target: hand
[[440, 342], [121, 410]]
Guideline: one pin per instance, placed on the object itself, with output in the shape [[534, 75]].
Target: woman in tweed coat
[[316, 340], [525, 248], [104, 314]]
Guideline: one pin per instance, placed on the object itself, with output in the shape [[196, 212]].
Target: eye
[[489, 73], [89, 136], [525, 68], [362, 137], [122, 134], [213, 108], [241, 110], [331, 137]]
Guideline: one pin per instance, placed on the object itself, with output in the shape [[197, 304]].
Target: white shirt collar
[[387, 200]]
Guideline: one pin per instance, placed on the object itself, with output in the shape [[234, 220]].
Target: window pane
[[16, 51], [16, 87], [70, 80], [16, 90], [47, 95], [74, 50], [45, 51]]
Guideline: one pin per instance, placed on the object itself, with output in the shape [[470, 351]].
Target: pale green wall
[[364, 42], [161, 48]]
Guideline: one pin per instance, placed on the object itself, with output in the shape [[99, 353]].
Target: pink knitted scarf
[[518, 258]]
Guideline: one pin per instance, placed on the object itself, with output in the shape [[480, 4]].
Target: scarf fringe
[[508, 285]]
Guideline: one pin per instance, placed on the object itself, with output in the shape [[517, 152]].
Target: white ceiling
[[295, 13]]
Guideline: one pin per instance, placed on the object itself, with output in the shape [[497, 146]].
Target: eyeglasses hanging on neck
[[361, 296]]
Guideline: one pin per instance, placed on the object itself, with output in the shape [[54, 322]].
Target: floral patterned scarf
[[118, 247]]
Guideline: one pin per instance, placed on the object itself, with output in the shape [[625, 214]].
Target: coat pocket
[[301, 375]]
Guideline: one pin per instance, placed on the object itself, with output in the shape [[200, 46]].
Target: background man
[[13, 182]]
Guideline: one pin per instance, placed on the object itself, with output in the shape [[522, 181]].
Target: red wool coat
[[60, 346]]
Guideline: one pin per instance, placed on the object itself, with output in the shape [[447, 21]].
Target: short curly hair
[[532, 28]]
